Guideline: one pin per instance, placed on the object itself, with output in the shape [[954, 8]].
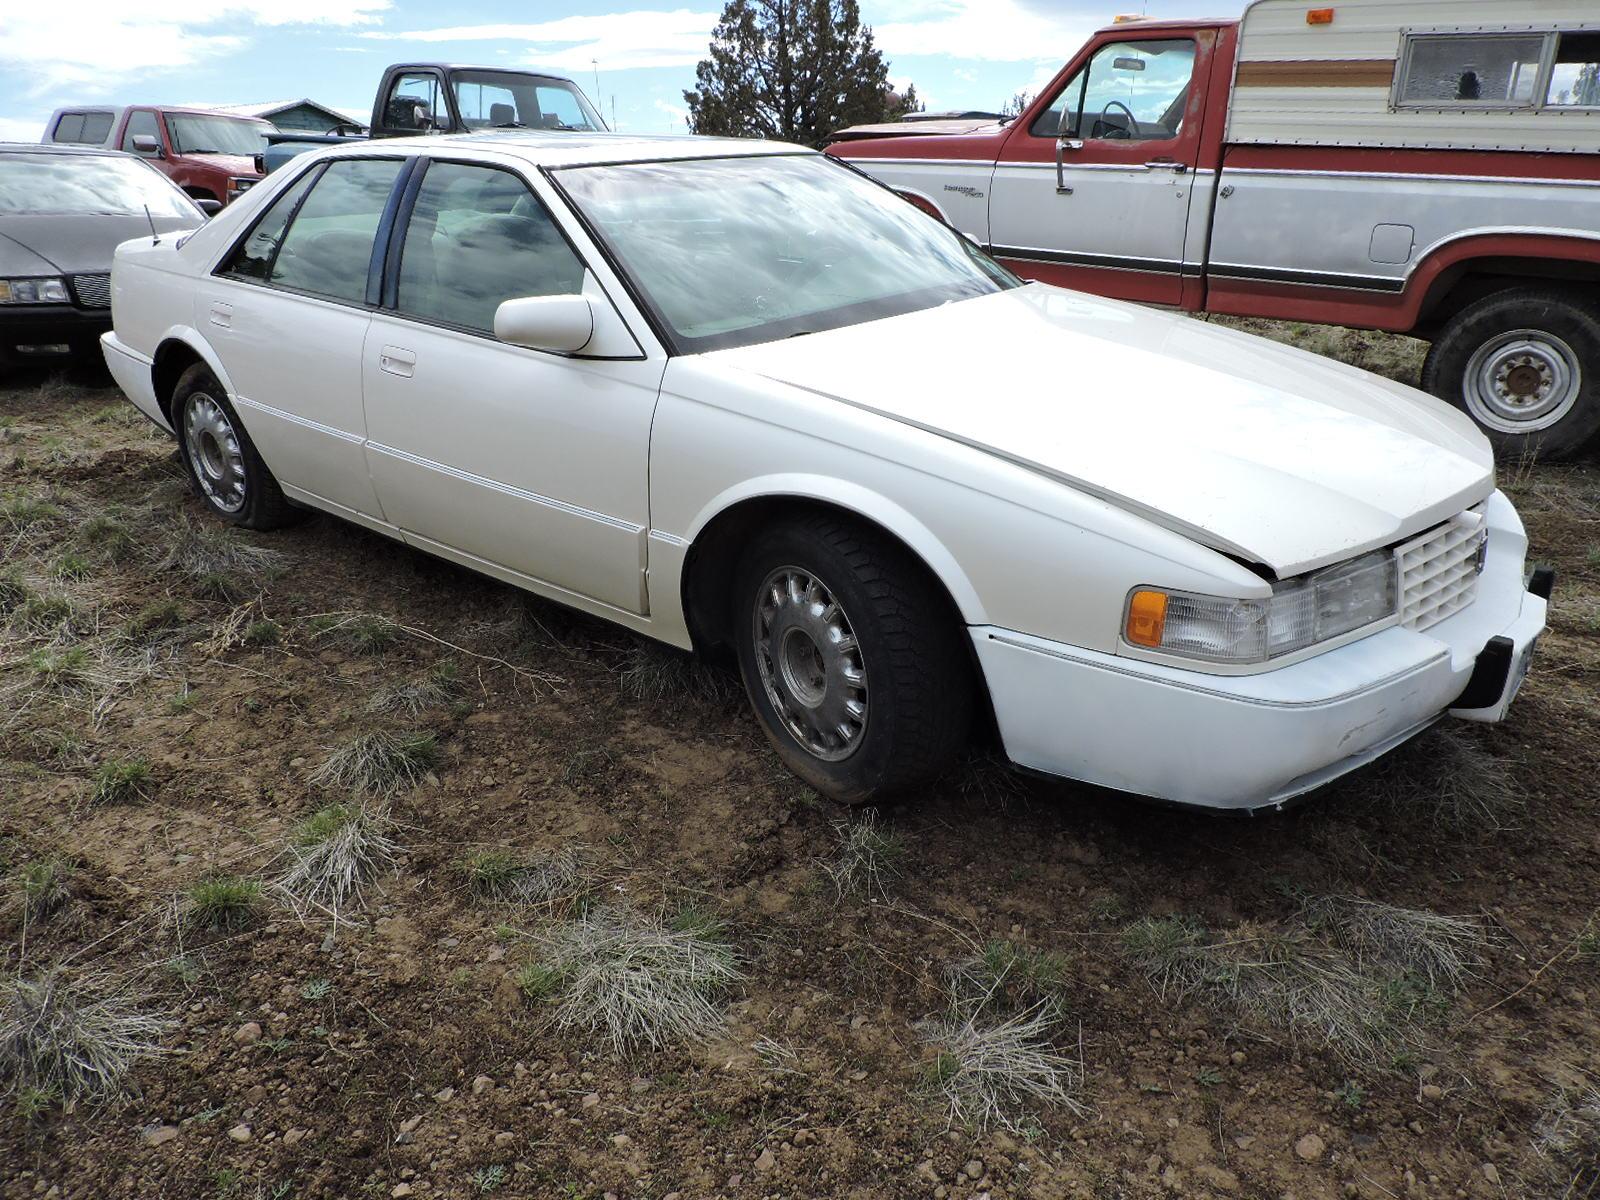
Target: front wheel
[[1523, 363], [851, 657]]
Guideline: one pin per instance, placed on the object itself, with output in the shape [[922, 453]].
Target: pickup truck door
[[1092, 188]]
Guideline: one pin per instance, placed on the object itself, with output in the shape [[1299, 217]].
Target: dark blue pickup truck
[[416, 98]]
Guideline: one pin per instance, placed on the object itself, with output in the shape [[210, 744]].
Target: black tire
[[263, 504], [1559, 319], [919, 684]]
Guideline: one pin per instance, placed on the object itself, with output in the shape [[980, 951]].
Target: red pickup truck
[[1387, 164], [210, 155]]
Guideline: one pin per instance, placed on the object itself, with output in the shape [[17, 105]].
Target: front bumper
[[1255, 741], [30, 332]]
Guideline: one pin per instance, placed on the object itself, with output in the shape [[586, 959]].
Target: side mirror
[[209, 206], [563, 324], [146, 143], [422, 118]]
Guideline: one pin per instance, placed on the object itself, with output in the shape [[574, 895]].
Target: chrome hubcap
[[810, 664], [213, 448], [1523, 381]]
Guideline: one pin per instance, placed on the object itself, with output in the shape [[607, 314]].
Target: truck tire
[[851, 657], [221, 460], [1524, 363]]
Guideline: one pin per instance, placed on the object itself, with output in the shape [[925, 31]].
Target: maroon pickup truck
[[209, 155]]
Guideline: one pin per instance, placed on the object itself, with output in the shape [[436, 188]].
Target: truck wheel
[[1525, 365], [852, 660], [224, 468]]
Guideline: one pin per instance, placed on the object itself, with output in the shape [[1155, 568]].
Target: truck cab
[[210, 155], [1393, 165]]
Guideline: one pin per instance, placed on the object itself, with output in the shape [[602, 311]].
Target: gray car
[[63, 211]]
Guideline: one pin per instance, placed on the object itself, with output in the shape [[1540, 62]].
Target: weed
[[20, 511], [46, 614], [653, 672], [1352, 1095], [185, 969], [1208, 1077], [539, 983], [14, 591], [223, 902], [45, 887], [120, 781], [106, 536], [1567, 1140], [31, 1102], [181, 701], [219, 553], [263, 633], [1009, 976], [335, 853], [991, 1069], [1449, 780], [438, 687], [1441, 950], [366, 633], [316, 989], [487, 1179], [155, 617], [73, 1035], [71, 566], [634, 980], [870, 855], [61, 670], [380, 763]]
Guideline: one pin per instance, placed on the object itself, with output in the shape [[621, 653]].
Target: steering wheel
[[1133, 121]]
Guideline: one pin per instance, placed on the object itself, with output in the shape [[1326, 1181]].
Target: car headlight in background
[[1300, 613], [34, 291]]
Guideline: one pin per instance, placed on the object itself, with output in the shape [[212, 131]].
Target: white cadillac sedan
[[734, 393]]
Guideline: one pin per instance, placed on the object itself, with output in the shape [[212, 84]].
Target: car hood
[[72, 243], [1269, 453], [233, 164]]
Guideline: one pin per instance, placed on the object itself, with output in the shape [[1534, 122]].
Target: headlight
[[1299, 613], [34, 291]]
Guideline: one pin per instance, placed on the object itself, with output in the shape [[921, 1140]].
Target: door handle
[[1062, 146], [1167, 164], [397, 361], [222, 314]]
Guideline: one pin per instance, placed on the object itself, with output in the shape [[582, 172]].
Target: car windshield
[[507, 100], [87, 183], [735, 251], [196, 134]]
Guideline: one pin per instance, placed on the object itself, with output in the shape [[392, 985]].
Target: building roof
[[273, 107]]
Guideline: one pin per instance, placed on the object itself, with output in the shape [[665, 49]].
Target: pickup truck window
[[505, 100], [420, 88], [141, 123], [82, 129], [477, 237], [328, 249], [1129, 91], [200, 134]]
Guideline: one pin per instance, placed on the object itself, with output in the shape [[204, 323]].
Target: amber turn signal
[[1319, 16], [1147, 618]]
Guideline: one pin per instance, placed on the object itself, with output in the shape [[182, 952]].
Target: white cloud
[[23, 129], [677, 115], [95, 45], [997, 30], [617, 41]]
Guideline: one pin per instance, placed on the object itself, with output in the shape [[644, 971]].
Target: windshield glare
[[216, 135], [735, 251], [502, 100], [87, 183]]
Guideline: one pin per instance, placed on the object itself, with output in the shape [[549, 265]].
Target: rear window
[[82, 129]]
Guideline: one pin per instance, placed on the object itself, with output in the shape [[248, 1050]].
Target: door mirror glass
[[145, 143], [563, 324], [209, 206]]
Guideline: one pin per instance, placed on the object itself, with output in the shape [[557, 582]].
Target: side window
[[69, 129], [558, 109], [328, 249], [478, 237], [1129, 91], [1575, 79], [141, 122], [1454, 69], [415, 100], [96, 128], [252, 258]]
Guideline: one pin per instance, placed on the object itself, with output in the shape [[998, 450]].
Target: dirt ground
[[395, 1054]]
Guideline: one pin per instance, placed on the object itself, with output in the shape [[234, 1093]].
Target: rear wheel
[[851, 658], [1524, 364], [224, 468]]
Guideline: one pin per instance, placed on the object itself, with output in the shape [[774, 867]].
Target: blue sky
[[960, 53]]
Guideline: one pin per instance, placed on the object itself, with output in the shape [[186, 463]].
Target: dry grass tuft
[[438, 687], [222, 902], [653, 672], [1006, 975], [123, 781], [45, 886], [632, 980], [1447, 779], [1567, 1141], [533, 879], [1445, 951], [219, 559], [379, 763], [335, 854], [869, 857], [72, 1036], [993, 1069]]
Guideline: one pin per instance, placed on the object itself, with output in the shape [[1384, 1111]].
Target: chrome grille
[[1439, 570], [93, 291]]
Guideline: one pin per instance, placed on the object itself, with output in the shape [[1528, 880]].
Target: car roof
[[552, 148], [59, 148]]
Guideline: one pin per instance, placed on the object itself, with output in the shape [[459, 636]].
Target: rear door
[[287, 312], [1092, 191]]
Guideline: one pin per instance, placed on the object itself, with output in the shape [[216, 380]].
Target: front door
[[287, 313], [532, 463], [1092, 189]]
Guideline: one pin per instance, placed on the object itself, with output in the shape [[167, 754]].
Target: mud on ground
[[396, 1054]]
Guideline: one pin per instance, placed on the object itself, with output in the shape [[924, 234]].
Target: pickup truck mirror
[[146, 143], [209, 206]]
